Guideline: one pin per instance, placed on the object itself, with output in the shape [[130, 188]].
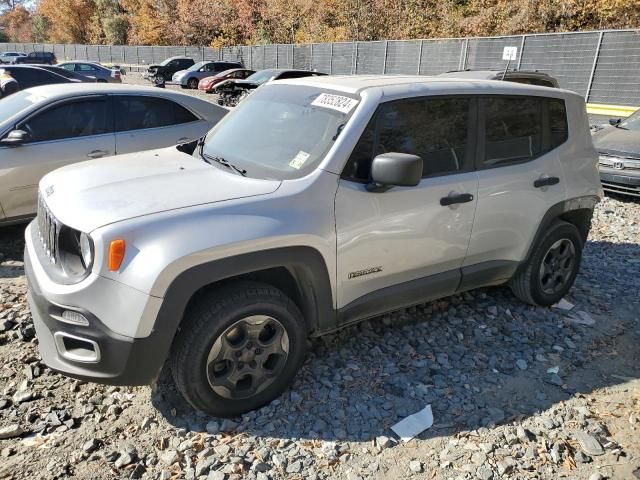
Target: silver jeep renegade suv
[[316, 203]]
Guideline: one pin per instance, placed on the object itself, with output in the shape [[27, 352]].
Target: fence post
[[354, 63], [420, 56], [384, 60], [521, 51], [463, 54], [593, 67], [331, 59], [311, 58]]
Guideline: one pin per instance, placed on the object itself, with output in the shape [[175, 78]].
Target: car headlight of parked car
[[75, 252], [86, 249]]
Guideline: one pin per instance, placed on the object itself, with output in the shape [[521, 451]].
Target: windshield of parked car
[[280, 132], [14, 104], [632, 122], [196, 66], [261, 76]]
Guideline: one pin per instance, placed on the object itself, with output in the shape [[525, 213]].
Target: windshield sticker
[[298, 160], [335, 102]]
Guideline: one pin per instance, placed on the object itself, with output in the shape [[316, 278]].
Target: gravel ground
[[480, 359]]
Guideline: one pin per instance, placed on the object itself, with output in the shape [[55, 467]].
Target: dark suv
[[29, 76], [43, 58], [167, 68]]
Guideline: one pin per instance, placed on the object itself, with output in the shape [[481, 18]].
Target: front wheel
[[238, 349], [193, 83], [552, 266]]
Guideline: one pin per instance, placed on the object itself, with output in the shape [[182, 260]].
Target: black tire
[[193, 83], [529, 283], [203, 327]]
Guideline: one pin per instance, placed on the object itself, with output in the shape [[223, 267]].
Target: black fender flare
[[305, 264]]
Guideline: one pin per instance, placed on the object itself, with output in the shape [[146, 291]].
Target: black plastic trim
[[484, 274]]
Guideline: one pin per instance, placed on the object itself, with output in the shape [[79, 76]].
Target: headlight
[[85, 249]]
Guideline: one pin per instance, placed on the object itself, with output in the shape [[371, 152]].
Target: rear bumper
[[618, 182]]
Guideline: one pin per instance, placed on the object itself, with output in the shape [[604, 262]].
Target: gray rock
[[597, 476], [170, 457], [213, 427], [216, 475], [478, 458], [415, 466], [91, 445], [295, 398], [555, 453], [555, 379], [505, 466], [294, 467], [521, 364], [262, 476], [588, 443], [484, 473], [261, 467], [228, 426], [124, 459], [22, 396], [10, 431], [384, 442], [222, 450]]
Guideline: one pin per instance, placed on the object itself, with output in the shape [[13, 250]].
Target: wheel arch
[[300, 272]]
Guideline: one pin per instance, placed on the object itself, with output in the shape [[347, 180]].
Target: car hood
[[180, 73], [92, 194], [617, 141]]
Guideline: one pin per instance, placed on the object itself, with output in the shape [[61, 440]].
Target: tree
[[67, 19], [18, 24], [40, 28], [151, 21], [108, 23]]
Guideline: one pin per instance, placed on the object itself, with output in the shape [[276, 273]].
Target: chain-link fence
[[603, 66]]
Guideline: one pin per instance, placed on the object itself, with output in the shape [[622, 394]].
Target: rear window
[[142, 112], [557, 122]]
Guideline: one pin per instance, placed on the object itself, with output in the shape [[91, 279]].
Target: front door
[[65, 133], [407, 243]]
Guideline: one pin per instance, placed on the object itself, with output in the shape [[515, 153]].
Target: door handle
[[546, 182], [456, 198], [97, 154]]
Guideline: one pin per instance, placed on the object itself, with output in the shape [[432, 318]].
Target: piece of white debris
[[555, 369], [582, 318], [414, 424], [563, 305]]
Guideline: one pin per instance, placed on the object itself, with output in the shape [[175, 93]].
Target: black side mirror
[[395, 170], [15, 138], [614, 121]]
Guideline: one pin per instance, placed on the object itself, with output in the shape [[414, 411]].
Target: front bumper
[[92, 352], [620, 181]]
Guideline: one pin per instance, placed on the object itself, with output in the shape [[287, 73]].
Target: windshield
[[261, 76], [280, 132], [14, 104], [632, 122], [196, 67]]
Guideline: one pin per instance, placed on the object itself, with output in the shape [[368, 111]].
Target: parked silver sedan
[[44, 128], [95, 70]]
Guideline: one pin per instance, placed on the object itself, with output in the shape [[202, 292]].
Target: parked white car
[[10, 57], [46, 127]]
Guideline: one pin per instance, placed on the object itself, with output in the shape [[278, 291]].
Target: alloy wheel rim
[[247, 357], [557, 266]]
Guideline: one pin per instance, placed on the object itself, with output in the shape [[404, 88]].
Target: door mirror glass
[[614, 121], [395, 170], [15, 137]]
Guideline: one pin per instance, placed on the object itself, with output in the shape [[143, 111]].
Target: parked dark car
[[518, 76], [619, 149], [232, 92], [67, 74], [207, 84], [35, 58], [29, 76], [166, 69]]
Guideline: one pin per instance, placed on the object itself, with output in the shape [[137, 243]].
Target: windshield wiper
[[211, 158], [617, 125]]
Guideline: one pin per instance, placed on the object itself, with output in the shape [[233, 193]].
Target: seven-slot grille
[[48, 230]]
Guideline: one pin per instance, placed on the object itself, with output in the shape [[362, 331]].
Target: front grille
[[48, 230], [619, 162]]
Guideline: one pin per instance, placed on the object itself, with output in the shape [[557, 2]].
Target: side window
[[513, 130], [436, 129], [557, 122], [87, 68], [69, 66], [141, 113], [71, 120]]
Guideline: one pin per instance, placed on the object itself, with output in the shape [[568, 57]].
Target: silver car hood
[[92, 194]]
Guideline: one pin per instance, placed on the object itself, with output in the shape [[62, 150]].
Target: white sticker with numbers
[[298, 160], [335, 102]]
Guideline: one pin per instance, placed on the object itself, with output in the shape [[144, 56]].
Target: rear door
[[146, 123], [520, 176], [68, 132]]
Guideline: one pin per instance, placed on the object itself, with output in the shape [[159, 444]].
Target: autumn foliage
[[232, 22]]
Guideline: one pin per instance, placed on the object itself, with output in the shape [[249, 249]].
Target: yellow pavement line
[[614, 111]]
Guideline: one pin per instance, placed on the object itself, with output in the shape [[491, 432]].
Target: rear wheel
[[238, 349], [552, 267]]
